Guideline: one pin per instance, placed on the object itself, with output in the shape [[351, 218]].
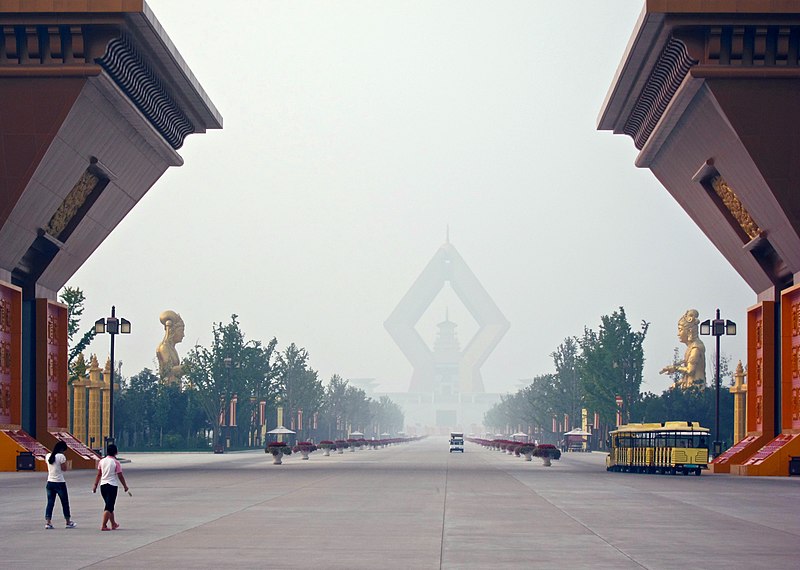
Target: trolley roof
[[661, 427]]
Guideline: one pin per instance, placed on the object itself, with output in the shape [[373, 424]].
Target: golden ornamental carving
[[758, 410], [5, 399], [795, 361], [52, 405], [5, 316], [52, 330], [735, 207], [796, 403], [759, 332], [5, 357], [795, 319], [71, 204], [758, 371], [52, 367]]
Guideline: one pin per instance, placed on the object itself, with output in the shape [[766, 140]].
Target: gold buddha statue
[[693, 367], [169, 363]]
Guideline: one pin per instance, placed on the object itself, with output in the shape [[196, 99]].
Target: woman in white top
[[56, 485], [109, 476]]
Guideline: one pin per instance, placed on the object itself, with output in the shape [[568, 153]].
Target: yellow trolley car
[[667, 448]]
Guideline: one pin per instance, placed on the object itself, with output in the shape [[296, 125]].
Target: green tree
[[357, 409], [532, 406], [388, 416], [74, 298], [259, 376], [150, 414], [299, 387], [567, 380], [725, 372], [677, 360], [334, 407], [216, 374], [134, 407], [611, 365]]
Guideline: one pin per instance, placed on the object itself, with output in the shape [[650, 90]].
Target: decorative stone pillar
[[94, 385], [79, 406], [105, 390], [739, 391], [280, 421]]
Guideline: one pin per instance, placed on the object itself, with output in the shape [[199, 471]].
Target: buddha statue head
[[687, 326], [173, 327]]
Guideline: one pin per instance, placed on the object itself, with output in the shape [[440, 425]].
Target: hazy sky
[[355, 133]]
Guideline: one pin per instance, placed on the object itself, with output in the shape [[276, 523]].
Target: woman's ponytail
[[59, 447]]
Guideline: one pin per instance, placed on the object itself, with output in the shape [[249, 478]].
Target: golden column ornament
[[585, 427], [739, 391], [280, 419], [95, 383], [79, 404], [105, 389]]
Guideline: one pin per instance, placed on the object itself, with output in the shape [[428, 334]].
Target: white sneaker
[[71, 524], [48, 526]]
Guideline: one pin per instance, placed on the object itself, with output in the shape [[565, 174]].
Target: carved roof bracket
[[667, 75]]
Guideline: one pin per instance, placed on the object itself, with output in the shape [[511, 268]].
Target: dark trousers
[[54, 489], [109, 493]]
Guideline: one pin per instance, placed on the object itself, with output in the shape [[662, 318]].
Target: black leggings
[[109, 493]]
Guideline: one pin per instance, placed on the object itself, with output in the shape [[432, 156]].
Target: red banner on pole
[[232, 413]]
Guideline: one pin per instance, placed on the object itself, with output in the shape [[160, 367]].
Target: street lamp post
[[228, 362], [113, 326], [717, 328]]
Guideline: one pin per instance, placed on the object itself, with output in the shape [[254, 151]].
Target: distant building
[[446, 388]]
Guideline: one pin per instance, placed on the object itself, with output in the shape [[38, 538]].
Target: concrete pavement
[[411, 506]]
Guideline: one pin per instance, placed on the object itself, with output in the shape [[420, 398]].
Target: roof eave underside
[[648, 38], [155, 38]]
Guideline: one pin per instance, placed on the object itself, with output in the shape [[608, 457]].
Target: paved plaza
[[411, 506]]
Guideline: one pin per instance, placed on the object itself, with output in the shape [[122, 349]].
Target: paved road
[[413, 506]]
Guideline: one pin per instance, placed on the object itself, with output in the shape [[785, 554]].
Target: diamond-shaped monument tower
[[430, 369]]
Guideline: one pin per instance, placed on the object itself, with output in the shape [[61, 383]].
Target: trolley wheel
[[698, 471]]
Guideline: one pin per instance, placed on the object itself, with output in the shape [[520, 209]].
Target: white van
[[456, 441]]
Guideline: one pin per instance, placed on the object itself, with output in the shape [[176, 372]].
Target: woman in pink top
[[109, 476]]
